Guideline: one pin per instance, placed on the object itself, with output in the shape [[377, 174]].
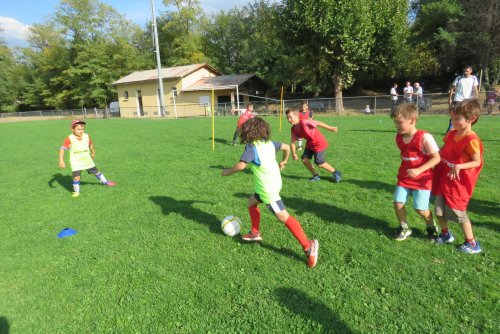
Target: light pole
[[158, 63]]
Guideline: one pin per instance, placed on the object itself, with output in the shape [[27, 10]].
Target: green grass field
[[149, 256]]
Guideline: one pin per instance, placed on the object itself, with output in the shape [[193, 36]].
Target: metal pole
[[158, 63]]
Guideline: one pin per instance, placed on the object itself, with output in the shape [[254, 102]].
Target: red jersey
[[456, 150], [244, 117], [305, 115], [412, 156], [307, 129]]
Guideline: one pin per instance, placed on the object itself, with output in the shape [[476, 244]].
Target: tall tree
[[79, 51], [7, 73], [339, 35]]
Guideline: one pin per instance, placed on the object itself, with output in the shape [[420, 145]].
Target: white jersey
[[408, 91], [464, 87], [394, 94]]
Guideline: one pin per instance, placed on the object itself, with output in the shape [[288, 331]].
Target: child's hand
[[454, 173], [282, 165], [413, 173], [334, 129], [62, 164], [92, 155], [295, 156]]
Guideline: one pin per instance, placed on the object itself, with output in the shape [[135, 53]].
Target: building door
[[140, 107]]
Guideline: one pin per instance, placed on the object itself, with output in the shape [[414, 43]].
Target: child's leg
[[253, 210], [236, 134], [294, 226], [467, 230], [309, 166], [400, 210], [100, 176], [76, 184], [327, 166], [439, 213]]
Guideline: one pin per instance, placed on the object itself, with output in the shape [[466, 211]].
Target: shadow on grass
[[66, 181], [482, 207], [331, 213], [370, 184], [221, 140], [187, 210], [310, 310], [4, 326]]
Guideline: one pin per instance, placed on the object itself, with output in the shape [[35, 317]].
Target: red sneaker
[[312, 253], [110, 184], [250, 236]]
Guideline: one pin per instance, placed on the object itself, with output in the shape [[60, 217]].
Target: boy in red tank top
[[457, 174], [419, 154]]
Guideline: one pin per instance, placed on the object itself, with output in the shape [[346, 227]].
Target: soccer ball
[[231, 226]]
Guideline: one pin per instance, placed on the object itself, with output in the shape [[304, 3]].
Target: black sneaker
[[402, 233], [431, 232]]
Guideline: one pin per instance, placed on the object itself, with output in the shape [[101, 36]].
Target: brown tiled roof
[[220, 82]]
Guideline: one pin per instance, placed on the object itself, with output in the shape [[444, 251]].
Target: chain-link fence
[[372, 105]]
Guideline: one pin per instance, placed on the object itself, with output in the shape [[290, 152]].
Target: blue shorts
[[420, 197], [274, 207], [319, 157]]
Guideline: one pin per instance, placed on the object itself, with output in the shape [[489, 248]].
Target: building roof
[[169, 72], [219, 82]]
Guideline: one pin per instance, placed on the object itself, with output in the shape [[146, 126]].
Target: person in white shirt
[[464, 87], [407, 92], [419, 93], [394, 96]]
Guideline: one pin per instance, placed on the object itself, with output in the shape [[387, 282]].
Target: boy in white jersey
[[81, 154], [260, 156]]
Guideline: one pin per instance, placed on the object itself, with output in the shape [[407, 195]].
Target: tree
[[7, 73], [78, 52], [339, 36]]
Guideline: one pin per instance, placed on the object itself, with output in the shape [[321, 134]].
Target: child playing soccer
[[419, 154], [80, 157], [457, 173], [260, 156], [245, 116], [316, 144], [304, 113]]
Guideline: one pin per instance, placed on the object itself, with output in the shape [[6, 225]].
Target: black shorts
[[319, 157], [92, 170], [274, 207]]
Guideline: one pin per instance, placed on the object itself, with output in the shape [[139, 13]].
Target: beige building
[[188, 91]]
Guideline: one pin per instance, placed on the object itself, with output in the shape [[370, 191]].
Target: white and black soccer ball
[[231, 226]]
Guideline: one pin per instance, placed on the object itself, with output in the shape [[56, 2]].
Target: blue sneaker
[[337, 176], [467, 247], [445, 238], [315, 178]]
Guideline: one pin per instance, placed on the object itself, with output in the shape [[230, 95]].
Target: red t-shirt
[[305, 115], [412, 156], [244, 117], [67, 143], [457, 150], [307, 129]]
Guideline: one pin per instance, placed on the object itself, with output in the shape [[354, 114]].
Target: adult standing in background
[[464, 87], [394, 96], [419, 93], [407, 92]]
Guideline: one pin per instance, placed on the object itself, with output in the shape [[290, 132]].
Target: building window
[[125, 95]]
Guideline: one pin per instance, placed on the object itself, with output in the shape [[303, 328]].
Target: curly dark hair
[[255, 129]]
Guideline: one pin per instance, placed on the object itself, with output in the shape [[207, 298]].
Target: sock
[[445, 231], [471, 241], [255, 217], [294, 226], [300, 142], [76, 186], [101, 178], [404, 225]]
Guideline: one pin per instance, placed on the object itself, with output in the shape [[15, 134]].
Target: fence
[[382, 104]]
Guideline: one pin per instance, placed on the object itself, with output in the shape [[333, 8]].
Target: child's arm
[[239, 166], [326, 126], [475, 162], [286, 154], [92, 150], [62, 164], [294, 150], [433, 161]]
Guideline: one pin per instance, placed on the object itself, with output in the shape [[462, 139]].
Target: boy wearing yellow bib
[[81, 154], [260, 157]]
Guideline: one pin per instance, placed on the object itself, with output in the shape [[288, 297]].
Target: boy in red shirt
[[419, 154], [304, 113], [316, 144], [81, 155], [457, 174], [245, 116]]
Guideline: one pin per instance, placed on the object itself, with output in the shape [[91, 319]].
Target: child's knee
[[282, 216]]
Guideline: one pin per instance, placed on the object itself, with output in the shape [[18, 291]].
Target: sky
[[17, 15]]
